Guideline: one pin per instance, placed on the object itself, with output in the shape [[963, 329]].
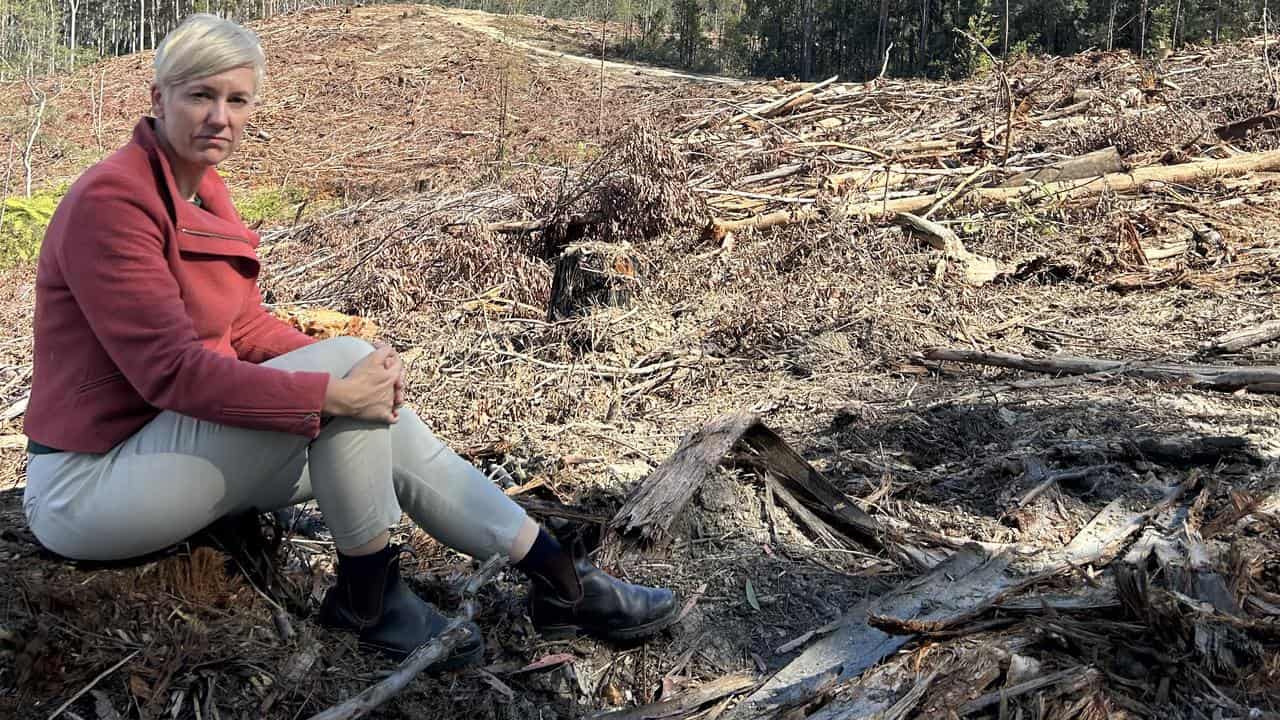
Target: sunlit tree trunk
[[1111, 27], [74, 6], [1142, 29], [882, 32], [806, 37], [924, 34]]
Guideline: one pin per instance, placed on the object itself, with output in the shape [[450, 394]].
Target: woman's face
[[203, 120]]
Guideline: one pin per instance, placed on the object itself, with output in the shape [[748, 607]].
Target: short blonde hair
[[205, 45]]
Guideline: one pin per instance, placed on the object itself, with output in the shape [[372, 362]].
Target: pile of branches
[[1164, 601]]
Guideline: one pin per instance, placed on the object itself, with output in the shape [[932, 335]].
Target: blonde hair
[[205, 45]]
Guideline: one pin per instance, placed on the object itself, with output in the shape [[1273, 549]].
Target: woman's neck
[[186, 176]]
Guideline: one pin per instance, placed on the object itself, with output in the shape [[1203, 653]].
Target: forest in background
[[804, 39]]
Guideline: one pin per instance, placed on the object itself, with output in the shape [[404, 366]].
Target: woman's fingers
[[393, 363]]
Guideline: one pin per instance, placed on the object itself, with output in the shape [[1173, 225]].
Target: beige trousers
[[177, 475]]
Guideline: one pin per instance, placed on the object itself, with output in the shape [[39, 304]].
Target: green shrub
[[269, 206], [23, 224]]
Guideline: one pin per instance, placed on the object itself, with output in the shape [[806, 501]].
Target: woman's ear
[[157, 106]]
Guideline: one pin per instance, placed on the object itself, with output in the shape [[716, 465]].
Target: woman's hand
[[371, 390], [395, 361]]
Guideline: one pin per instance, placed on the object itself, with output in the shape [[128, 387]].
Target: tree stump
[[590, 275]]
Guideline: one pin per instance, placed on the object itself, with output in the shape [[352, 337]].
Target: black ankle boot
[[372, 599], [570, 595]]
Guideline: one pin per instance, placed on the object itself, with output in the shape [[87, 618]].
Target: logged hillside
[[814, 272], [362, 102]]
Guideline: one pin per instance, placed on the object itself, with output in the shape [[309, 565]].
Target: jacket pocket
[[99, 382], [266, 414]]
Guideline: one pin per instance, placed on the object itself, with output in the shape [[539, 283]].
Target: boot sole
[[653, 627]]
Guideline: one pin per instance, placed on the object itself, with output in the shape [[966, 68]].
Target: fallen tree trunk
[[976, 269], [781, 105], [1182, 451], [1094, 164], [1259, 379], [1248, 337], [1062, 190]]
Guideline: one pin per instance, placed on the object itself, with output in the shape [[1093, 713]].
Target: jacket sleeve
[[257, 335], [117, 272]]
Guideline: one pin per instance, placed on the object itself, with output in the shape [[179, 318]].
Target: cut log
[[976, 269], [1259, 379], [1238, 340], [1078, 106], [1099, 162], [1192, 451], [592, 275], [872, 179], [781, 105], [1182, 451], [774, 174], [1063, 190]]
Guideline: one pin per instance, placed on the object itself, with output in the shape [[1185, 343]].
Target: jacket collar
[[214, 228]]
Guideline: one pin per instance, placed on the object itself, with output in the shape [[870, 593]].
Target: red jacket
[[146, 302]]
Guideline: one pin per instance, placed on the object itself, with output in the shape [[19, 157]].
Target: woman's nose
[[218, 113]]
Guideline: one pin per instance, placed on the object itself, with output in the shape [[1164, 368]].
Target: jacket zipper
[[204, 233]]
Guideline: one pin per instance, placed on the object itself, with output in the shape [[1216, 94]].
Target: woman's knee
[[344, 352], [335, 356]]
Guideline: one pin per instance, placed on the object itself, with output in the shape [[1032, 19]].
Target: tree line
[[45, 36], [803, 39], [861, 39]]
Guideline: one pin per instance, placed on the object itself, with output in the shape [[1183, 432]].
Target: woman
[[165, 397]]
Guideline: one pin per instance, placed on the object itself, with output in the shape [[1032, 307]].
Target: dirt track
[[508, 30]]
